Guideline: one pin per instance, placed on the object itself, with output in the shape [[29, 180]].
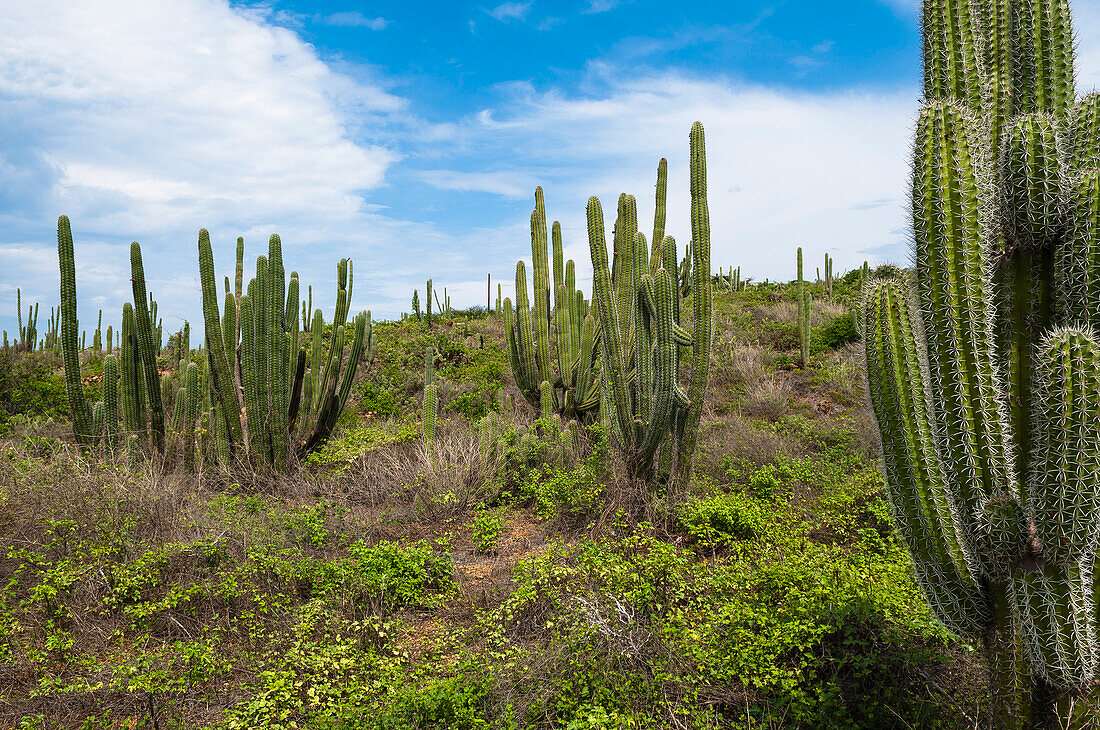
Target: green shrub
[[486, 532], [835, 333], [30, 386], [396, 574], [724, 519], [376, 400]]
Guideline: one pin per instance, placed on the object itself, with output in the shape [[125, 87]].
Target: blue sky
[[410, 136]]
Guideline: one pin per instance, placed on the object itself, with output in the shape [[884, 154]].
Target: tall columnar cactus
[[110, 401], [428, 302], [416, 305], [637, 302], [828, 276], [143, 329], [555, 344], [97, 338], [83, 428], [430, 405], [988, 395], [803, 294]]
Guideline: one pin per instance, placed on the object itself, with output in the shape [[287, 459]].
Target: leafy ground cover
[[385, 586]]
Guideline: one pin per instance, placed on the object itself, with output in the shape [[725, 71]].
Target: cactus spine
[[988, 397]]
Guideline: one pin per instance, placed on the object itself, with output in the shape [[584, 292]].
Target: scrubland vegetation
[[382, 585]]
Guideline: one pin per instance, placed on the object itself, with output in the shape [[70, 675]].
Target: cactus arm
[[924, 510], [541, 283], [1077, 268], [656, 257], [217, 338], [702, 306], [110, 401], [615, 368], [144, 330], [951, 233]]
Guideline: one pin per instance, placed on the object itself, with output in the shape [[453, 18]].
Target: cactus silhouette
[[984, 367]]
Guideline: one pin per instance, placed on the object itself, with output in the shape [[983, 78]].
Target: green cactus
[[636, 301], [288, 410], [428, 302], [430, 406], [147, 349], [416, 305], [83, 426], [988, 396], [803, 295], [110, 401], [555, 345]]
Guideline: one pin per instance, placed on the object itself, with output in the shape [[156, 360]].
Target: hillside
[[386, 585]]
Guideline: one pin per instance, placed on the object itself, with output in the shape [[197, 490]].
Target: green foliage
[[486, 531], [30, 386], [835, 333], [720, 520]]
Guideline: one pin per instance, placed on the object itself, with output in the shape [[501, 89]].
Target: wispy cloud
[[510, 11], [515, 185], [355, 19], [602, 6]]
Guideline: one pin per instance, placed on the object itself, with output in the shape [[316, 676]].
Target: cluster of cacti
[[28, 333], [430, 406], [552, 346], [91, 423], [828, 276], [443, 307], [638, 306], [292, 393], [416, 305], [731, 280], [252, 365], [987, 395], [805, 300]]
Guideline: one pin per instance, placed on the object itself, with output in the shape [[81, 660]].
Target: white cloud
[[148, 120], [824, 171], [510, 11], [355, 19], [505, 184]]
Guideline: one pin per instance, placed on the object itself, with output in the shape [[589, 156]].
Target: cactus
[[110, 401], [988, 395], [266, 372], [83, 427], [416, 305], [431, 399], [143, 330], [428, 302], [637, 301], [803, 294], [554, 345]]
